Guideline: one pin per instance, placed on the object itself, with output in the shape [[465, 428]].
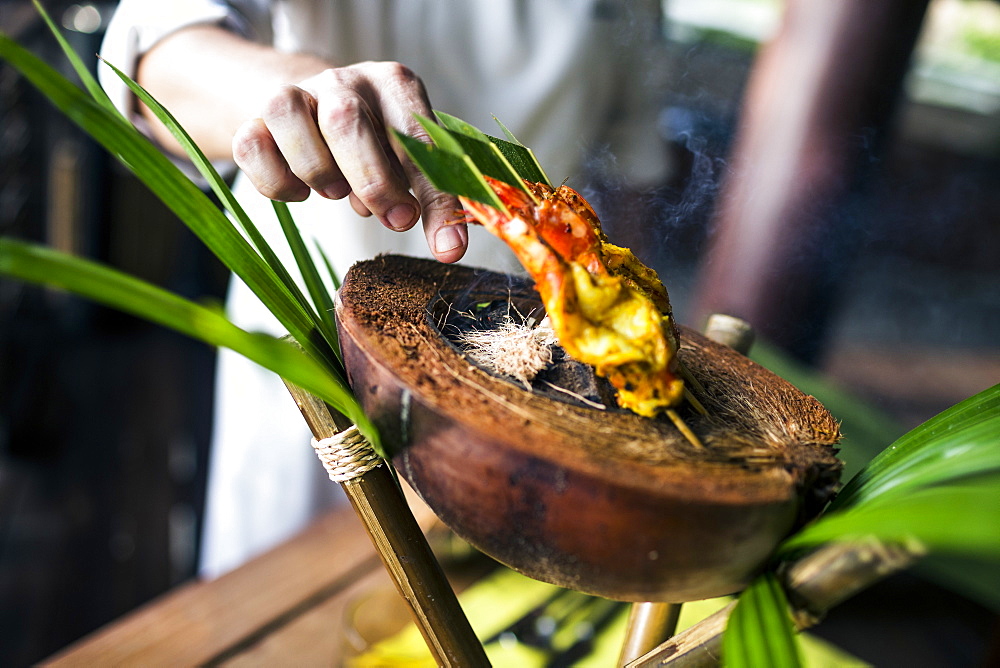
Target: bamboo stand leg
[[401, 544], [649, 624]]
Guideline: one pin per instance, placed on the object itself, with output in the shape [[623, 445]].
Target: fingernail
[[337, 190], [401, 217], [447, 238]]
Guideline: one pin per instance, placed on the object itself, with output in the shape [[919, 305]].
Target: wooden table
[[282, 608]]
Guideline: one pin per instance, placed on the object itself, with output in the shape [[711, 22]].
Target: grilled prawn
[[607, 308]]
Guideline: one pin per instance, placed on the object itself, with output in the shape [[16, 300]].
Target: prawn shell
[[558, 239]]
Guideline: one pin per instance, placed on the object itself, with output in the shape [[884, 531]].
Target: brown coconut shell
[[602, 501]]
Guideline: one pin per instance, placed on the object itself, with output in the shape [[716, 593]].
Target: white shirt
[[576, 80]]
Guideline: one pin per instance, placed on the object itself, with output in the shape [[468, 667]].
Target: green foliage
[[461, 155], [960, 517], [37, 264], [310, 324], [450, 172], [760, 631], [521, 158], [960, 442], [937, 486]]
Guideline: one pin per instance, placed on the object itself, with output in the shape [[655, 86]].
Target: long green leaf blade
[[956, 442], [507, 133], [457, 125], [166, 180], [523, 161], [484, 155], [81, 69], [42, 265], [958, 518], [760, 631], [334, 278], [225, 195], [314, 282], [520, 158]]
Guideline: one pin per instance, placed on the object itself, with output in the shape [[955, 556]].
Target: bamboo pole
[[379, 503]]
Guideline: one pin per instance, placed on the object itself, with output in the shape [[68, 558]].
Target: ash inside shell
[[514, 342]]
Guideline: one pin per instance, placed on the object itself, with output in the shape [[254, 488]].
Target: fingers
[[330, 134], [400, 95], [448, 242], [355, 135], [257, 154]]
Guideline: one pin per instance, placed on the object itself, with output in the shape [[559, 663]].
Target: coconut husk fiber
[[550, 484]]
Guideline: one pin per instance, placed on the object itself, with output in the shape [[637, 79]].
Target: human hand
[[330, 134]]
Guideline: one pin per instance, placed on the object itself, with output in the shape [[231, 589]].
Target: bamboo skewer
[[685, 430], [402, 546]]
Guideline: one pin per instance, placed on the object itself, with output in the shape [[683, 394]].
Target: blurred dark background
[[105, 420]]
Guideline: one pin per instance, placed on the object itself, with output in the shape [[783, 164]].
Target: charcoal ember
[[574, 377]]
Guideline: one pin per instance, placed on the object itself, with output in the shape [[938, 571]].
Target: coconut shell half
[[598, 500]]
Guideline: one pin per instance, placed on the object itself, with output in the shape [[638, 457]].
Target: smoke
[[697, 148]]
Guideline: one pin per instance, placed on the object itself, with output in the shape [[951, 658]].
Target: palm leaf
[[938, 484], [461, 155], [485, 155], [331, 272], [521, 158], [760, 631], [450, 172], [310, 275], [81, 69]]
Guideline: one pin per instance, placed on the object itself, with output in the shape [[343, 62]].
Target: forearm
[[212, 80]]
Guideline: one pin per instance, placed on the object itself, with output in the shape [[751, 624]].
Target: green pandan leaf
[[459, 126], [507, 133], [450, 172], [959, 518], [484, 154], [310, 275], [760, 631], [166, 180], [331, 350], [82, 71], [520, 158], [963, 440]]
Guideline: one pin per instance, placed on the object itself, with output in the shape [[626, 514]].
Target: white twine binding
[[346, 455]]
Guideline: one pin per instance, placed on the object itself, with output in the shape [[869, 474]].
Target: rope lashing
[[346, 455]]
